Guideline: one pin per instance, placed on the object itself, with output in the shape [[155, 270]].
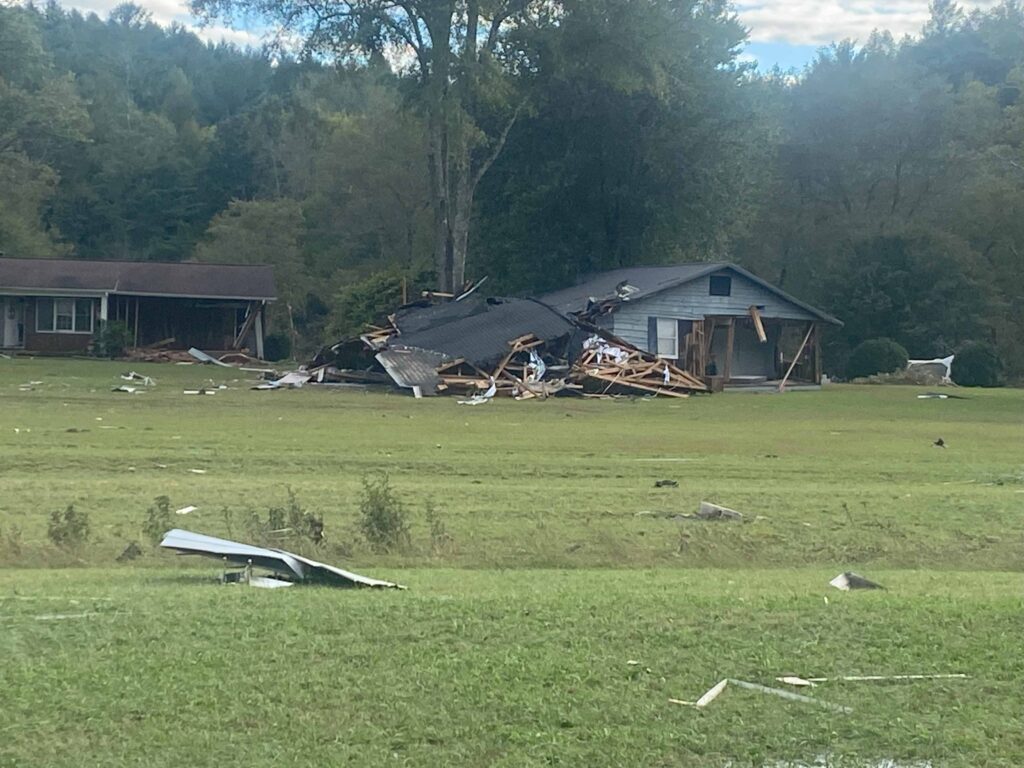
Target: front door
[[12, 321]]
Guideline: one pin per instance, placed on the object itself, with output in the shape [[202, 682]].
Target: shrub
[[112, 339], [441, 542], [384, 522], [68, 529], [977, 365], [876, 356], [291, 521], [277, 346], [158, 520]]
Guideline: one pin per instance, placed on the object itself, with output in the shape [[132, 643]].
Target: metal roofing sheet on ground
[[288, 563]]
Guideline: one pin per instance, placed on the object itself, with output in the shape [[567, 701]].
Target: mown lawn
[[511, 646]]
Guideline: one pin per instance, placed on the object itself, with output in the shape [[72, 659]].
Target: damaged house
[[499, 346], [716, 321], [58, 305]]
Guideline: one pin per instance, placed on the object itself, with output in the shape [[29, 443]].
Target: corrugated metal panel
[[412, 367]]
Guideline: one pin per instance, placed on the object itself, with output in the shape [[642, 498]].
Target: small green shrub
[[112, 338], [158, 520], [277, 346], [441, 542], [68, 529], [12, 540], [383, 520], [291, 521], [876, 356], [977, 365]]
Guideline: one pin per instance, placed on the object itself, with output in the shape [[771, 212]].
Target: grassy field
[[512, 645]]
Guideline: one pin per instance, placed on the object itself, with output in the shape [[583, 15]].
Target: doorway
[[12, 322]]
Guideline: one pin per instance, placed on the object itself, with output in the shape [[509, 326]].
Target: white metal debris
[[849, 580]]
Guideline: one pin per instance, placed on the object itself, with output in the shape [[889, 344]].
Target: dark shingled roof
[[141, 278], [652, 280], [482, 333]]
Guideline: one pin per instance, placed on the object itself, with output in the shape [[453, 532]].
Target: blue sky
[[783, 32]]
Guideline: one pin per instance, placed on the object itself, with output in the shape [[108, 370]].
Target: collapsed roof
[[477, 330], [521, 347]]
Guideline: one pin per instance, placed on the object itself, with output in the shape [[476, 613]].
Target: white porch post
[[258, 330], [104, 301]]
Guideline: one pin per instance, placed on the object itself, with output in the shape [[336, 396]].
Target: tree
[[460, 56], [264, 232], [41, 115]]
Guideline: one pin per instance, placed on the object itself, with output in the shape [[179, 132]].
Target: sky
[[782, 32]]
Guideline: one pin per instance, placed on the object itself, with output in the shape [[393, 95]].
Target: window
[[721, 285], [44, 315], [668, 340], [64, 315]]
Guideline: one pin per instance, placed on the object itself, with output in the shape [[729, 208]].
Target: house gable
[[693, 301]]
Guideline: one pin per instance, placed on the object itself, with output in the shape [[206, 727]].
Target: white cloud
[[819, 22], [798, 22], [167, 12]]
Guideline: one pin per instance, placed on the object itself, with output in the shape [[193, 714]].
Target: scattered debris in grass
[[810, 682], [849, 580], [715, 691], [186, 510], [666, 483]]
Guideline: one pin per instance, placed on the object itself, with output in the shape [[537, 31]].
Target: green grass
[[510, 648]]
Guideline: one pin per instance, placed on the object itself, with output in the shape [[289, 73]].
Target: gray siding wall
[[693, 301]]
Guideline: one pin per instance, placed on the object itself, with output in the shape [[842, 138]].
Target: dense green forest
[[536, 142]]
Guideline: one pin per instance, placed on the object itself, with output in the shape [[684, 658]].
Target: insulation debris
[[289, 566]]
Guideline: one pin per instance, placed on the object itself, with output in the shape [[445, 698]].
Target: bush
[[876, 356], [384, 521], [289, 522], [977, 365], [158, 520], [112, 339], [68, 529], [277, 346]]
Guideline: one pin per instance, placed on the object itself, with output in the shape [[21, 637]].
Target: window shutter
[[652, 335]]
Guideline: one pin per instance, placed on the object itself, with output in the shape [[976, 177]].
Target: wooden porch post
[[136, 322], [729, 339], [817, 353]]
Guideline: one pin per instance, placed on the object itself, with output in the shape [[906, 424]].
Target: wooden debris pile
[[614, 367], [520, 373]]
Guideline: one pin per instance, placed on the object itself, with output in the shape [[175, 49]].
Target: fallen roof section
[[288, 564]]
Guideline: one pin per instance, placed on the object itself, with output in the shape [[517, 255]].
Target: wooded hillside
[[885, 183]]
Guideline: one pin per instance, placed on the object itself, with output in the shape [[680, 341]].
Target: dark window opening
[[721, 285]]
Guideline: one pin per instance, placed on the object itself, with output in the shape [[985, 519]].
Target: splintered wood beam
[[796, 358], [755, 315]]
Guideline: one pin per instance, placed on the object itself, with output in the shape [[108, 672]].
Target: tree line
[[377, 148]]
